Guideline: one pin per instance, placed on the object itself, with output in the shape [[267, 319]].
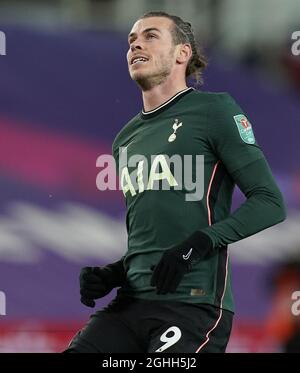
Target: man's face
[[151, 54]]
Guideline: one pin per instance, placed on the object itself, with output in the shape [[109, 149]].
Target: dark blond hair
[[182, 32]]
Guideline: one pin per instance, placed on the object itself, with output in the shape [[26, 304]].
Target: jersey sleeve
[[234, 143], [231, 134], [263, 208]]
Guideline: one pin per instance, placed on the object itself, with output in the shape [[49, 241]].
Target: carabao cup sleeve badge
[[245, 128]]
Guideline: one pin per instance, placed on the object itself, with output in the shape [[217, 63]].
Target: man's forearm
[[117, 272], [263, 208]]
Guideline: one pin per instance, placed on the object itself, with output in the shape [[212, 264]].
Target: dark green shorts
[[144, 326]]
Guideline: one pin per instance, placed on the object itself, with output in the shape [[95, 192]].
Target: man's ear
[[184, 53]]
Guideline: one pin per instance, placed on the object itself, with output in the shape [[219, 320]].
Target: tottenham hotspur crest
[[175, 127]]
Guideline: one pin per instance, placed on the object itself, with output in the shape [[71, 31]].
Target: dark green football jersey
[[162, 210]]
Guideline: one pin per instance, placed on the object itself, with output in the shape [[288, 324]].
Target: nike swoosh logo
[[186, 257]]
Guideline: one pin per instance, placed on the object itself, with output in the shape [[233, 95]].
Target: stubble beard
[[147, 82]]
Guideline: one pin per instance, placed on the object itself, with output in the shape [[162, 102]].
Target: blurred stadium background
[[65, 93]]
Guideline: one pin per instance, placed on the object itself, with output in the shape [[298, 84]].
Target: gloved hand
[[178, 260], [96, 282]]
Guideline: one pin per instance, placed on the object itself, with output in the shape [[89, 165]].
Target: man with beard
[[174, 280]]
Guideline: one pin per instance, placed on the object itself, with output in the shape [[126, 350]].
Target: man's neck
[[159, 94]]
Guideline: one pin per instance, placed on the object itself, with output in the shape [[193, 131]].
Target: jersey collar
[[152, 113]]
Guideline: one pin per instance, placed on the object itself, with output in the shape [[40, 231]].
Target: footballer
[[174, 281]]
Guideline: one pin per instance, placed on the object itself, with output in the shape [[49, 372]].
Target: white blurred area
[[27, 227], [232, 24]]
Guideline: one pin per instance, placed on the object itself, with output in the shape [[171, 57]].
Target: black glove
[[178, 260], [96, 282]]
